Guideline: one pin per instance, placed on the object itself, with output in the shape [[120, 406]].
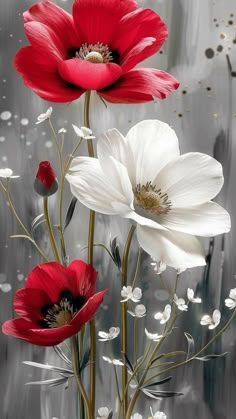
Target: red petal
[[140, 85], [96, 21], [45, 41], [60, 22], [52, 278], [46, 173], [88, 75], [39, 72], [28, 303], [139, 35], [85, 276], [88, 310]]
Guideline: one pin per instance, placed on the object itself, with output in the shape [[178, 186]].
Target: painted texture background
[[201, 53]]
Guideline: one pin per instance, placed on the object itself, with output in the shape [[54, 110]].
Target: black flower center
[[61, 312], [95, 53]]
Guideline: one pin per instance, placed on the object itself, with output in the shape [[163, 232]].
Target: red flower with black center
[[95, 48], [55, 303]]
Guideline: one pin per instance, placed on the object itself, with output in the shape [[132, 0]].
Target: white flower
[[153, 336], [62, 131], [136, 416], [128, 294], [180, 302], [139, 311], [112, 361], [103, 413], [165, 315], [158, 415], [231, 301], [211, 322], [190, 294], [7, 173], [44, 116], [112, 334], [83, 132], [143, 177], [159, 266]]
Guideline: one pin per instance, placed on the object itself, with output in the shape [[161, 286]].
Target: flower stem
[[75, 363], [50, 232], [124, 318], [90, 261]]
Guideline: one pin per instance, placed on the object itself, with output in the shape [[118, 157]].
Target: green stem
[[124, 317], [50, 231], [75, 363], [117, 383]]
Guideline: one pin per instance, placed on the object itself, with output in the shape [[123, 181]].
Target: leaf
[[21, 236], [128, 363], [37, 221], [210, 357], [154, 394], [110, 415], [191, 344], [115, 252], [157, 383], [85, 360], [168, 355], [51, 383], [70, 212], [62, 355], [63, 371]]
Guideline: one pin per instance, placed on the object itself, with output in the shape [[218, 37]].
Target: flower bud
[[45, 183]]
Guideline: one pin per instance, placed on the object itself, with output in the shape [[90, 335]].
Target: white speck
[[28, 143], [3, 97], [9, 123], [22, 136], [4, 158], [5, 115], [43, 133], [15, 116], [30, 156], [4, 80], [2, 139], [5, 287], [20, 277], [11, 35], [49, 144], [24, 121]]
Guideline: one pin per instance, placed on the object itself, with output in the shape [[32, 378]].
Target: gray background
[[203, 113]]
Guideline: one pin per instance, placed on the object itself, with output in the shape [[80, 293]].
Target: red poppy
[[95, 48], [55, 303]]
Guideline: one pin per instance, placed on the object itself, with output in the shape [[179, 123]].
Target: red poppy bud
[[45, 183]]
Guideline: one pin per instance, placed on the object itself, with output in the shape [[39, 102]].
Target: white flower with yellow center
[[128, 293], [165, 315], [211, 322], [143, 177]]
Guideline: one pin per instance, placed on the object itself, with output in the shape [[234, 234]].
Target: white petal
[[103, 411], [103, 334], [89, 184], [190, 294], [117, 362], [153, 144], [216, 316], [232, 294], [6, 173], [205, 320], [206, 220], [140, 310], [112, 143], [173, 248], [107, 359], [191, 179], [230, 303]]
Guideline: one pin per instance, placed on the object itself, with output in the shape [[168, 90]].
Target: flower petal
[[85, 276], [139, 35], [55, 18], [205, 220], [45, 41], [174, 249], [191, 179], [87, 75], [87, 311], [140, 85], [96, 190], [28, 303], [96, 21], [39, 72], [52, 278], [152, 145]]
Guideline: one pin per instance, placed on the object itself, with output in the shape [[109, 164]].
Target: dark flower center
[[95, 53], [61, 312], [151, 199]]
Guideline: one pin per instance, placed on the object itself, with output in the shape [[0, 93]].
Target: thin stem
[[50, 231], [135, 340], [136, 275], [7, 193], [90, 261], [124, 317], [117, 383], [75, 363]]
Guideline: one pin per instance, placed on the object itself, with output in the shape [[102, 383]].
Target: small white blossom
[[153, 336], [158, 266], [83, 132], [44, 116], [136, 416], [112, 361], [7, 173], [103, 413], [191, 298], [180, 302], [231, 301], [165, 315], [112, 334], [157, 415], [211, 322], [128, 294], [139, 311], [62, 131]]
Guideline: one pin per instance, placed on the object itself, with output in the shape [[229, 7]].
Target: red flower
[[45, 182], [96, 48], [55, 303]]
